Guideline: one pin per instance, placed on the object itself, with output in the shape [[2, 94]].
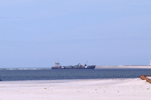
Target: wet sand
[[97, 89]]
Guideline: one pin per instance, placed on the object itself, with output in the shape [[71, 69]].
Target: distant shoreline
[[97, 67], [125, 66]]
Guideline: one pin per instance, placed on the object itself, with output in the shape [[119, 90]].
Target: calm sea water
[[14, 75]]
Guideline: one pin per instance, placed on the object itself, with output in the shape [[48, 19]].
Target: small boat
[[57, 66]]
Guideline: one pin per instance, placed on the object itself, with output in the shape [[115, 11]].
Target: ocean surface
[[15, 75]]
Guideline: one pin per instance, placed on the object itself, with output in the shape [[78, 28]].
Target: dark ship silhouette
[[78, 66]]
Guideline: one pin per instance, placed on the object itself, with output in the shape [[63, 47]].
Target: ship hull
[[91, 67], [55, 68], [69, 67]]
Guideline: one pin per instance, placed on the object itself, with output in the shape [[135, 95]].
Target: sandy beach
[[97, 89]]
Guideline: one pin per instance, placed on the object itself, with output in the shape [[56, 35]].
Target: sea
[[70, 74]]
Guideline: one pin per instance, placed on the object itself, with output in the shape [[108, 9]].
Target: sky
[[38, 33]]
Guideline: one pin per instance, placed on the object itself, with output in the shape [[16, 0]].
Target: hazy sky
[[35, 33]]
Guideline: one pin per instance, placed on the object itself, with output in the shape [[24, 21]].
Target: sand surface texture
[[105, 89]]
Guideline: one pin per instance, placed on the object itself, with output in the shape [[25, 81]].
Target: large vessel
[[78, 66]]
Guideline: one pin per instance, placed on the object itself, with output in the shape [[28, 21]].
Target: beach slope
[[97, 89]]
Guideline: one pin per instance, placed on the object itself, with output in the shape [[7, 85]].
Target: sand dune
[[97, 89]]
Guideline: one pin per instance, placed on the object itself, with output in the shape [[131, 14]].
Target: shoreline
[[66, 80], [106, 89], [125, 67]]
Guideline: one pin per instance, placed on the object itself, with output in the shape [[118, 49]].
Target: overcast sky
[[35, 33]]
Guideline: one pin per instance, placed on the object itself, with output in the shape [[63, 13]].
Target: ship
[[78, 66], [57, 66]]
